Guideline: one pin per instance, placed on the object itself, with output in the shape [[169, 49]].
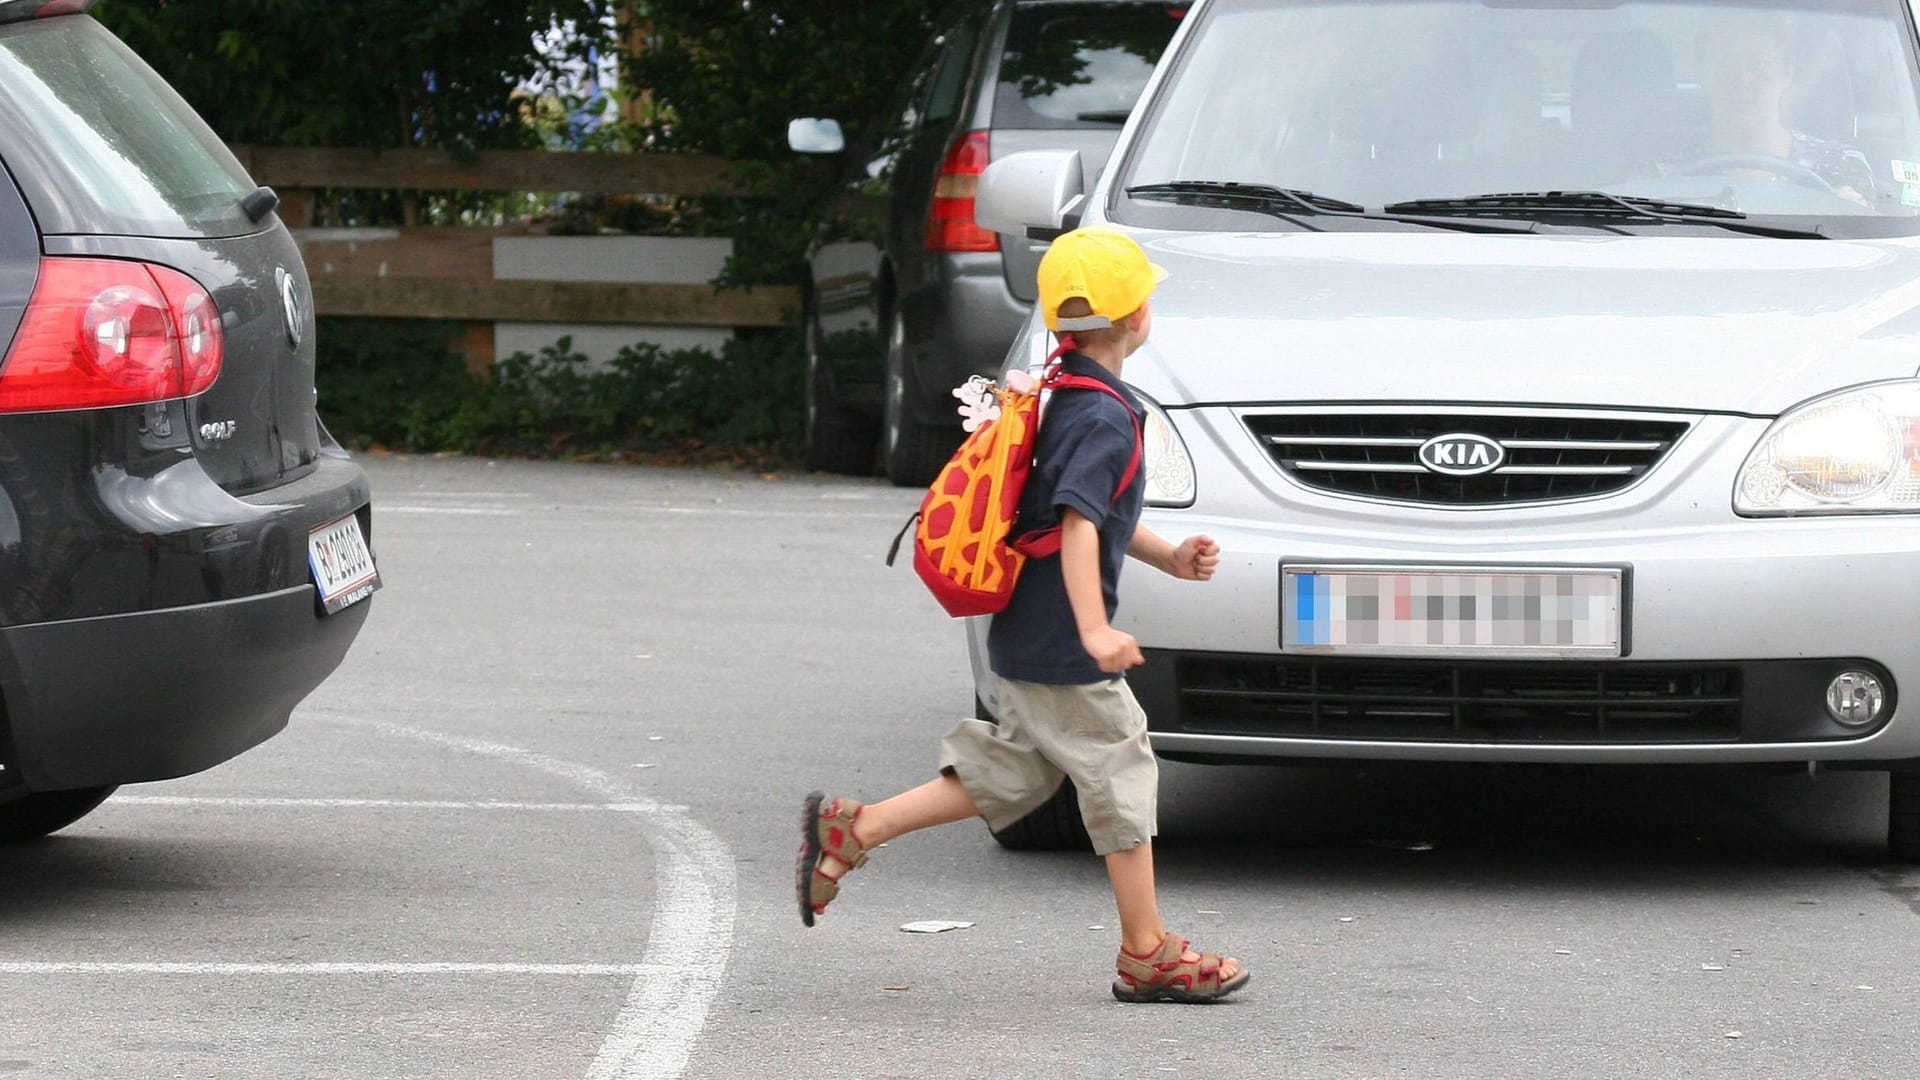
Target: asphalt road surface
[[541, 824]]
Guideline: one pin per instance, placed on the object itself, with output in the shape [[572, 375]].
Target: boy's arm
[[1193, 560], [1114, 650]]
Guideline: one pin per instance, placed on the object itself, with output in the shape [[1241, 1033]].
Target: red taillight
[[196, 321], [109, 332], [950, 224]]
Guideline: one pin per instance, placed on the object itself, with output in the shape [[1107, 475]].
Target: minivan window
[[1797, 108], [1079, 65], [106, 146], [950, 73]]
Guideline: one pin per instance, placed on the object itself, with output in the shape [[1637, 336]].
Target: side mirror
[[813, 135], [1034, 194]]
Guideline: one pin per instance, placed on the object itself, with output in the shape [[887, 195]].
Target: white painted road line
[[23, 967], [689, 939], [836, 513], [816, 513], [424, 494], [471, 511], [215, 801]]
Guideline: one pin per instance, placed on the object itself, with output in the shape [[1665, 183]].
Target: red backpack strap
[[1082, 382], [1043, 543]]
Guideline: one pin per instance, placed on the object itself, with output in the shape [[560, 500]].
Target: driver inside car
[[1747, 75]]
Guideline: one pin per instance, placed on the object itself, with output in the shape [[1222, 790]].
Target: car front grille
[[1449, 701], [1548, 456]]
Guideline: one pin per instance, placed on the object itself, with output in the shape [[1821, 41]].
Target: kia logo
[[1462, 454]]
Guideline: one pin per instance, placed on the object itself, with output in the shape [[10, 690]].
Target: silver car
[[904, 296], [1548, 373]]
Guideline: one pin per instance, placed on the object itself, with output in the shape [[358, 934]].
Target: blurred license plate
[[343, 568], [1449, 611]]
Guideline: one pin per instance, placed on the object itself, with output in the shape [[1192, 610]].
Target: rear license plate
[[343, 568], [1492, 611]]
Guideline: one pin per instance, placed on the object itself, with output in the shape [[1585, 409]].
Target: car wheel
[[1903, 815], [34, 816], [837, 439], [914, 451], [1055, 826]]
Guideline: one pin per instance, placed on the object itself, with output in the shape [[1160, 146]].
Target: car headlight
[[1164, 458], [1854, 451]]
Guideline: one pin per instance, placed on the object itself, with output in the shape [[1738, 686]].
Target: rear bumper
[[184, 626], [158, 694]]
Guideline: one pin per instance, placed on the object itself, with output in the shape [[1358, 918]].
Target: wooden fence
[[446, 272]]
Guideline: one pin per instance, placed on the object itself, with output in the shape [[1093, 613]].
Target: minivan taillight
[[103, 332], [950, 224]]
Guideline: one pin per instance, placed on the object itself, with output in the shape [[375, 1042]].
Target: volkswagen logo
[[296, 318], [1462, 454]]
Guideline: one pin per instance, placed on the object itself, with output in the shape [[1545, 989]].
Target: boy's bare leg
[[1141, 931], [1131, 873], [939, 801]]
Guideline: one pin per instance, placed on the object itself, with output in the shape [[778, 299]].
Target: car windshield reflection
[[1790, 109]]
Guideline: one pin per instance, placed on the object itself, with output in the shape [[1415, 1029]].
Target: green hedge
[[401, 385]]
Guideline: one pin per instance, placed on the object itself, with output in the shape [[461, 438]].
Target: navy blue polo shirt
[[1086, 439]]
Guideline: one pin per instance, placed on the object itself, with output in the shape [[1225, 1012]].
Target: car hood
[[1726, 324]]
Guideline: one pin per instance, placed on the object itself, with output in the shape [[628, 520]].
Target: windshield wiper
[[1282, 202], [1601, 203], [1104, 116], [1255, 193]]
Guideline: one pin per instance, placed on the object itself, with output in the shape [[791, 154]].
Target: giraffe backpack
[[963, 548]]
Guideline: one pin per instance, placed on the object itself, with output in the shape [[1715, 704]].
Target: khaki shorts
[[1094, 734]]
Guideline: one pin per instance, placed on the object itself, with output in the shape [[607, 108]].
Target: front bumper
[[1215, 703], [1749, 617]]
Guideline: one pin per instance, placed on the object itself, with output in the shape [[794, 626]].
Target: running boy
[[1064, 708]]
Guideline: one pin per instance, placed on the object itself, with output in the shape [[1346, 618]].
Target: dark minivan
[[906, 296], [183, 549]]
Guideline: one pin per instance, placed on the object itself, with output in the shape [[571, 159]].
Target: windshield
[[1804, 109]]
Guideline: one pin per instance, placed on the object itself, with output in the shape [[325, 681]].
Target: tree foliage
[[353, 72], [725, 76]]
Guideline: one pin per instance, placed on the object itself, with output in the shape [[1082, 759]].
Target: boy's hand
[[1114, 650], [1194, 559]]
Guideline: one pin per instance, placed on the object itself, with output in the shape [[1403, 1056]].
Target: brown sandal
[[1164, 976], [825, 831]]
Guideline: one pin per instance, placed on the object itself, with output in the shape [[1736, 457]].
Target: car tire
[[1903, 815], [914, 452], [33, 816], [836, 439], [1055, 826]]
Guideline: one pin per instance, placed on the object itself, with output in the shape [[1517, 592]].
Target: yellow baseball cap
[[1102, 266]]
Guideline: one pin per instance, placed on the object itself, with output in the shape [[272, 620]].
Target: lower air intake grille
[[1431, 700]]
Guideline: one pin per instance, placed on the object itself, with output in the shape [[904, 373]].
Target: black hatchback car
[[905, 296], [183, 549]]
